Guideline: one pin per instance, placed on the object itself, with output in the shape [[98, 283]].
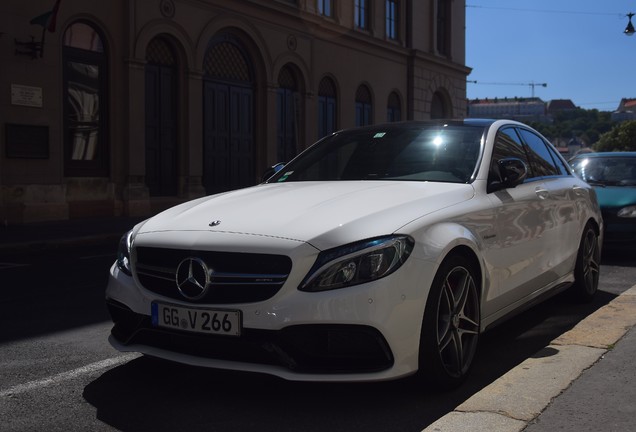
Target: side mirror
[[271, 171], [513, 171]]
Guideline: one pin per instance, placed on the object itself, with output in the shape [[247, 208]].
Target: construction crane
[[531, 84]]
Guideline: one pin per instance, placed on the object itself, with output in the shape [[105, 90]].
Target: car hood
[[324, 214], [616, 196]]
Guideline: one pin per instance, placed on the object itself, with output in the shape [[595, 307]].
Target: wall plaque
[[26, 141], [26, 95]]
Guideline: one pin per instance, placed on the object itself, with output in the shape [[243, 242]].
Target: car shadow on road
[[152, 395], [619, 256]]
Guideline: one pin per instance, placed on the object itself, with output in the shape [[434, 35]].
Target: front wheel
[[450, 328], [588, 264]]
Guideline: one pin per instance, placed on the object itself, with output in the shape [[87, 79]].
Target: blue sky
[[577, 47]]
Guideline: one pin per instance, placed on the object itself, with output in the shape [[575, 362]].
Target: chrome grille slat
[[155, 271], [155, 275]]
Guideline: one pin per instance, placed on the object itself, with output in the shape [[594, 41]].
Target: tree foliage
[[622, 137], [586, 126]]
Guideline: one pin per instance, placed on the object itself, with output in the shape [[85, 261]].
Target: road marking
[[105, 255], [69, 375], [6, 265]]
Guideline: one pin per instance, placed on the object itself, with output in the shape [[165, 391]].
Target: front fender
[[436, 242]]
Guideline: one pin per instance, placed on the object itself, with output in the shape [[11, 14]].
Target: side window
[[507, 145], [561, 164], [540, 156]]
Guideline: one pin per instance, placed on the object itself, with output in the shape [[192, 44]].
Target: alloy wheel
[[458, 319], [591, 262]]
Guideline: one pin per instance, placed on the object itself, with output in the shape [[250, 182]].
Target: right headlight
[[627, 212], [123, 253], [357, 263]]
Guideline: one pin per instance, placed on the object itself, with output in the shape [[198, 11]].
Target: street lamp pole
[[629, 30]]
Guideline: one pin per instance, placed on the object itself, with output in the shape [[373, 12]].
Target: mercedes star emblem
[[193, 278]]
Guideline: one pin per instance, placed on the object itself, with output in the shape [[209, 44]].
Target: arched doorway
[[228, 116], [161, 118], [327, 107]]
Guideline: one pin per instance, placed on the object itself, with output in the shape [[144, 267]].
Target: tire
[[451, 324], [587, 268]]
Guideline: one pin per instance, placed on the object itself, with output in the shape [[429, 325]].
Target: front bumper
[[308, 348], [619, 231], [368, 332]]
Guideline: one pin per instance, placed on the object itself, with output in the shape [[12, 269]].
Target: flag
[[48, 19]]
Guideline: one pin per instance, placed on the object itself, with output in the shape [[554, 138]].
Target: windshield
[[607, 171], [439, 153]]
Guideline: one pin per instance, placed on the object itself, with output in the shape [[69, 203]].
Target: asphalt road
[[57, 371]]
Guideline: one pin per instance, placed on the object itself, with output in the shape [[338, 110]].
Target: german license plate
[[196, 320]]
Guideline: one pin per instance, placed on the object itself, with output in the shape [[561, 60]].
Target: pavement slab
[[471, 422]]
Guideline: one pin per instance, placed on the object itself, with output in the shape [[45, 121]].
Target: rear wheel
[[588, 264], [450, 328]]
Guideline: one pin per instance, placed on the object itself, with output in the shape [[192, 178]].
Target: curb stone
[[519, 396]]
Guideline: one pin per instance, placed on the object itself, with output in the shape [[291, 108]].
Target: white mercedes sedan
[[377, 253]]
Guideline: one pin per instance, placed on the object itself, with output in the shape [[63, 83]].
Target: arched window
[[363, 106], [161, 118], [226, 60], [394, 108], [327, 107], [439, 107], [287, 114], [85, 103]]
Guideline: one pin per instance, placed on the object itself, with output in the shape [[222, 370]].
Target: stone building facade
[[523, 109], [125, 107]]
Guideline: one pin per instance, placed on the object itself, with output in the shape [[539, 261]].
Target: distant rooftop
[[504, 100], [560, 105], [627, 104]]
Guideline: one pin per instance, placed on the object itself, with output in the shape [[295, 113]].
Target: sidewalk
[[48, 235], [583, 381]]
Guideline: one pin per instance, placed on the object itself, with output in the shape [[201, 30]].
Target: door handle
[[542, 193], [579, 191]]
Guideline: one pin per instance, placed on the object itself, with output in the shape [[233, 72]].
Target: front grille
[[236, 277], [311, 348]]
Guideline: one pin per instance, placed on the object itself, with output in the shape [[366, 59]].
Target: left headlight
[[627, 212], [123, 253], [357, 263]]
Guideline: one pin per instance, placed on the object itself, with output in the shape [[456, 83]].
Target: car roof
[[414, 124], [605, 155]]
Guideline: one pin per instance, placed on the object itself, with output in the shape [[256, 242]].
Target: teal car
[[613, 176]]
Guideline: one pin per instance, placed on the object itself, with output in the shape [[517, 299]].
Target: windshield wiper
[[596, 183]]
